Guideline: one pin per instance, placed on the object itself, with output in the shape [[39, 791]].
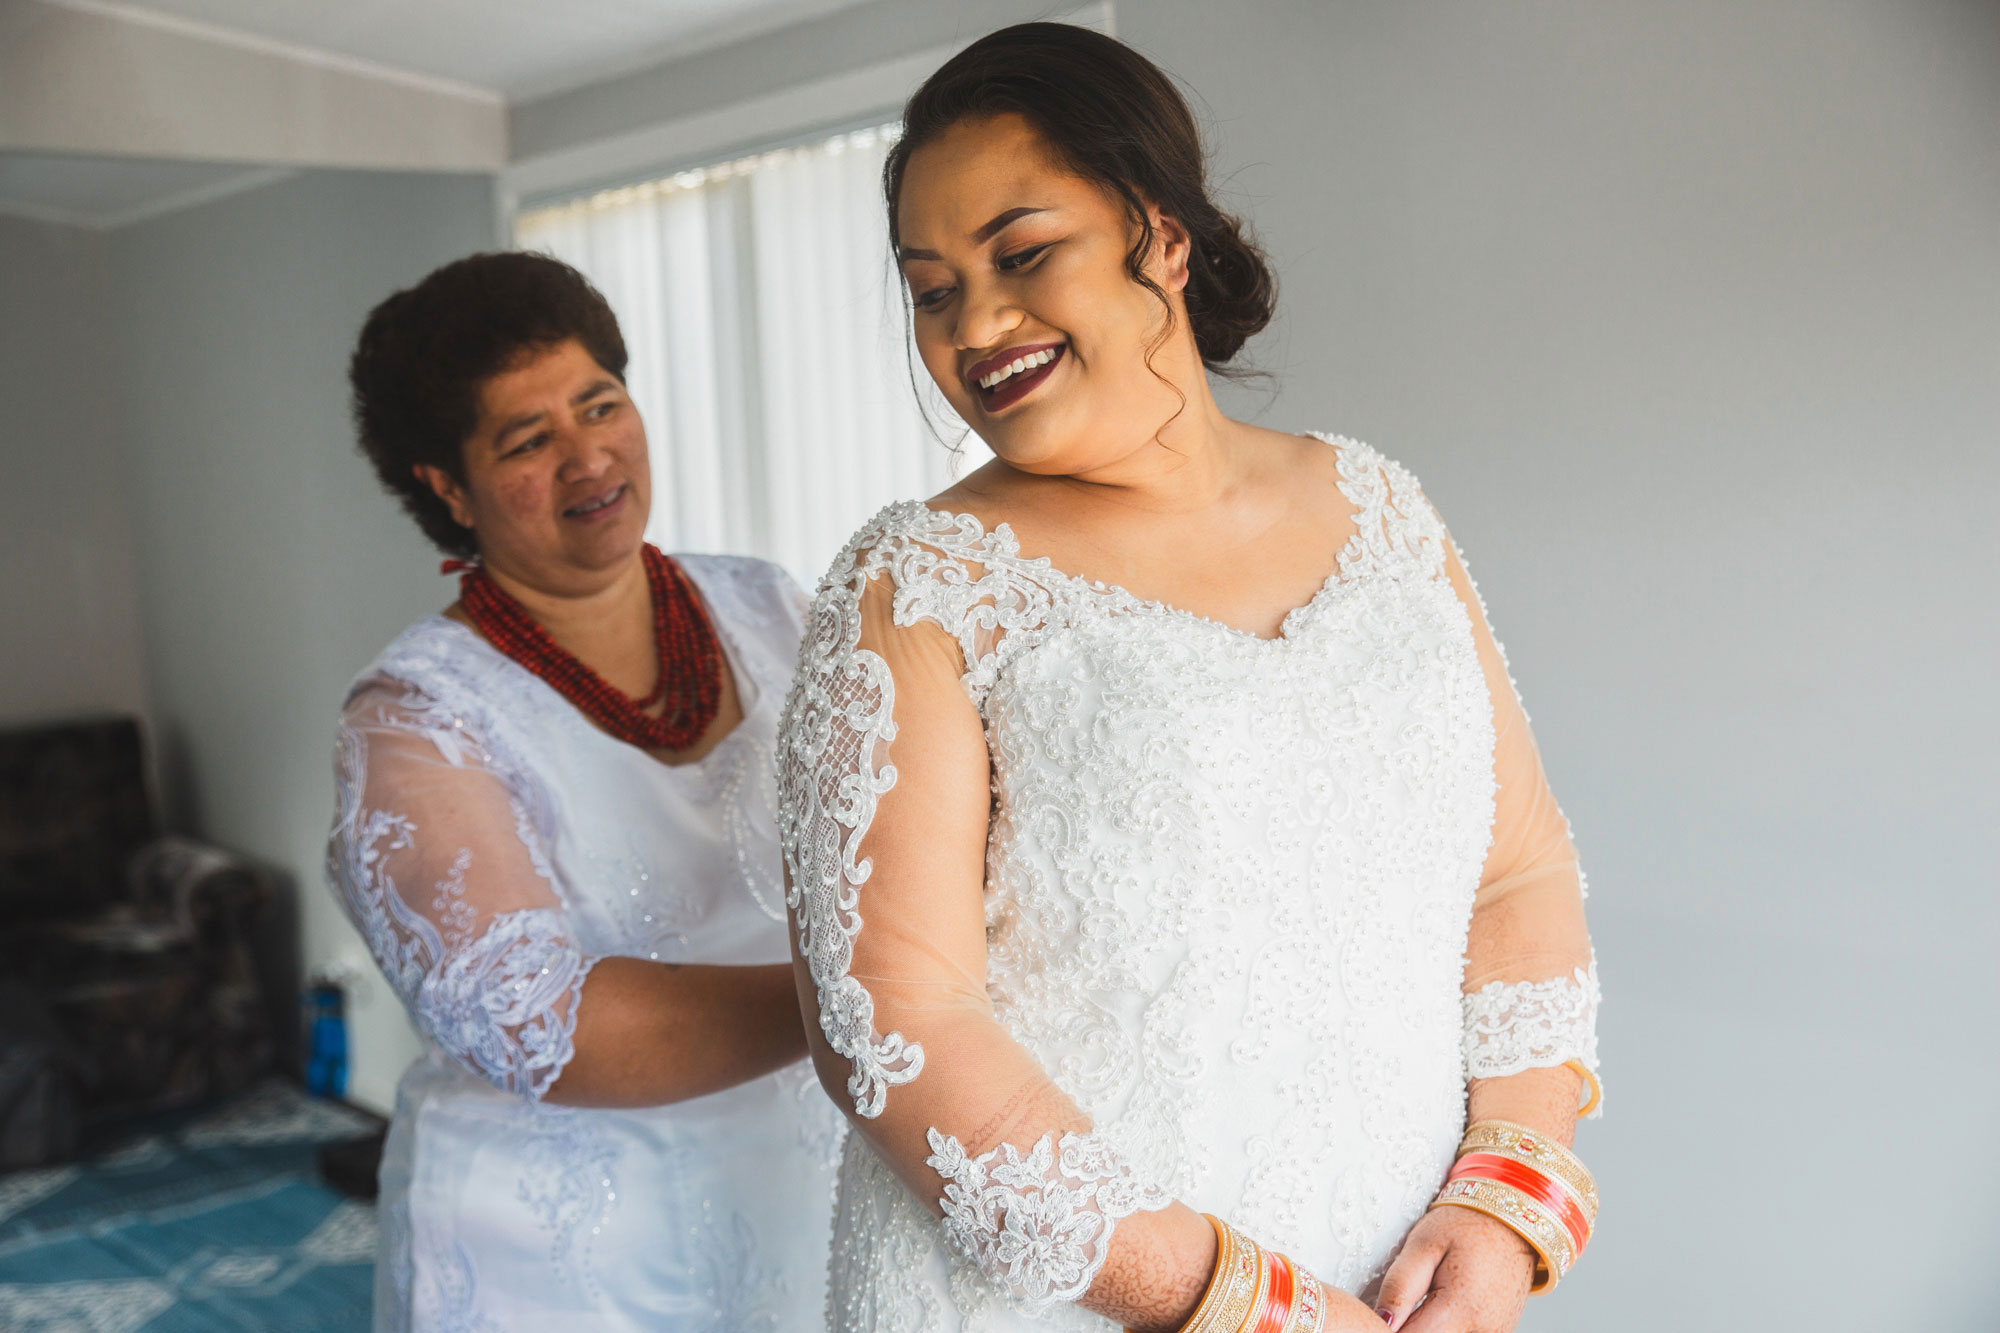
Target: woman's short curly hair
[[425, 353]]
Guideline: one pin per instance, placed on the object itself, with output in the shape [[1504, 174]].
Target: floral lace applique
[[500, 996], [567, 1180], [1039, 1226], [505, 1004], [1512, 1026], [831, 778], [839, 720]]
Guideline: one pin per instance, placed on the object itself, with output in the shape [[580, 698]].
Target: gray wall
[[1689, 317], [272, 568], [69, 616]]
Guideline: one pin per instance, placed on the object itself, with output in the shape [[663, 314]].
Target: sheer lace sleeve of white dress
[[885, 790], [439, 861], [1531, 992]]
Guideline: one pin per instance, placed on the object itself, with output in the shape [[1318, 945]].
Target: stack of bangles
[[1255, 1290], [1530, 1183]]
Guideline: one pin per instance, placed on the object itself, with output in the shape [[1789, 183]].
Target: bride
[[1164, 836]]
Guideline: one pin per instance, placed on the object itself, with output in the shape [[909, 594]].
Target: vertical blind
[[769, 351]]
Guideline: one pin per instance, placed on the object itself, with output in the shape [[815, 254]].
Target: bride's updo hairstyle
[[1111, 116]]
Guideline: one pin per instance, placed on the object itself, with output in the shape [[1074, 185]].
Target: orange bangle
[[1532, 1185], [1543, 1188], [1590, 1085], [1277, 1293], [1537, 1150]]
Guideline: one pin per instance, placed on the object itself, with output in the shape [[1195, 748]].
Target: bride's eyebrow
[[985, 233]]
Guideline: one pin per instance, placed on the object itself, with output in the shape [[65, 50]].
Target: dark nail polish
[[1388, 1316]]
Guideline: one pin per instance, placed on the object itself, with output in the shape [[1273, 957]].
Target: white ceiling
[[520, 49], [507, 50]]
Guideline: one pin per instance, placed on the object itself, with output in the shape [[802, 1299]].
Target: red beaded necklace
[[690, 680]]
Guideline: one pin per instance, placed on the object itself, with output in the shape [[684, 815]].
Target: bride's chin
[[1053, 461], [1044, 451]]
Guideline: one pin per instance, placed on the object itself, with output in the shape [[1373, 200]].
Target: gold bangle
[[1521, 1215], [1233, 1285], [1308, 1303], [1218, 1277], [1537, 1150], [1238, 1286], [1591, 1085]]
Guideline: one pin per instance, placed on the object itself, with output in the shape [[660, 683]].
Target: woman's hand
[[1469, 1271], [1344, 1314]]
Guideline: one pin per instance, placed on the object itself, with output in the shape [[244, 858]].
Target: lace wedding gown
[[490, 845], [1256, 908]]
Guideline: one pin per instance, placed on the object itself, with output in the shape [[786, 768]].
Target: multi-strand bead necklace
[[690, 680]]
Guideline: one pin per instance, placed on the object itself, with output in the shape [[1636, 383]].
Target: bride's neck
[[1188, 465]]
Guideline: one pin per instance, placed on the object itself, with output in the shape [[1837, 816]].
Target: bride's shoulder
[[955, 529], [1366, 475], [986, 493]]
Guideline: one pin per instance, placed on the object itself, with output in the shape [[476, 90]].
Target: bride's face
[[1014, 261]]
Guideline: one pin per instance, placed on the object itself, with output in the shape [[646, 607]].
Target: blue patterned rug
[[218, 1221]]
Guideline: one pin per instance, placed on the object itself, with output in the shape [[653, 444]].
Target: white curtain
[[769, 351]]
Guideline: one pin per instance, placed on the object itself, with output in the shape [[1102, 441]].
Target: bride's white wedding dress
[[1259, 908]]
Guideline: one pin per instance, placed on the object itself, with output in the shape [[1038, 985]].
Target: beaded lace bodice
[[1228, 890]]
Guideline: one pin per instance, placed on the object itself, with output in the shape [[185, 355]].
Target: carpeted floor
[[217, 1220]]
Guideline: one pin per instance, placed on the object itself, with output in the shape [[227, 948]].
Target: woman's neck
[[1187, 466], [607, 623]]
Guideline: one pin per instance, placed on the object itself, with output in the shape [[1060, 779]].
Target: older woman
[[1165, 836], [555, 831]]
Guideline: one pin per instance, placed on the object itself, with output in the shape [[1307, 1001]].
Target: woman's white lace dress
[[1228, 901], [491, 845]]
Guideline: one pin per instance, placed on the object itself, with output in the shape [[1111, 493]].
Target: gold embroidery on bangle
[[1525, 1217], [1508, 1139]]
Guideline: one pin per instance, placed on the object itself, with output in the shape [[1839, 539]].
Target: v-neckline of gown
[[1290, 626]]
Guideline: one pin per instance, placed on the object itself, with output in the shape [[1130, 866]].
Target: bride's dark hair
[[1111, 116]]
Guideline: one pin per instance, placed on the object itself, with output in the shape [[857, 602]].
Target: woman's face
[[1011, 258], [557, 487]]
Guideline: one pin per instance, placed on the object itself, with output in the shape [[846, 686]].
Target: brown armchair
[[135, 956]]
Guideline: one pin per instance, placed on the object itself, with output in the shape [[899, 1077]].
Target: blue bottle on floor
[[326, 1059]]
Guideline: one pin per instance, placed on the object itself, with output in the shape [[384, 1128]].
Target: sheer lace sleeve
[[1530, 977], [885, 786], [439, 862]]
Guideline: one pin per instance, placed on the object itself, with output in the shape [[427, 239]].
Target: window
[[768, 343]]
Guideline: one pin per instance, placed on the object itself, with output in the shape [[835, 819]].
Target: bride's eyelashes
[[1018, 261], [1023, 259]]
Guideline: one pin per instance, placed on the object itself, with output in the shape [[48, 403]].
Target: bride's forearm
[[1158, 1266], [1541, 1099]]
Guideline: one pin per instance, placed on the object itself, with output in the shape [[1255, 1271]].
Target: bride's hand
[[1344, 1314], [1470, 1272]]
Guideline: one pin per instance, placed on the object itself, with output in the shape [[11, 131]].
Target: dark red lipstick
[[1020, 383]]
